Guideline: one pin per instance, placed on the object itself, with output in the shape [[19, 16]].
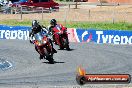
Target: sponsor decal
[[14, 32], [104, 36], [5, 64], [83, 78], [83, 35], [115, 37]]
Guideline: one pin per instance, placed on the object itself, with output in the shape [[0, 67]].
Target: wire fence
[[73, 13]]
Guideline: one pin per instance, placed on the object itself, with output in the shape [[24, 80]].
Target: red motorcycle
[[44, 46], [60, 37]]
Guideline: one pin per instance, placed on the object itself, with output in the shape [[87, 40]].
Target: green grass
[[16, 22], [84, 25], [102, 25]]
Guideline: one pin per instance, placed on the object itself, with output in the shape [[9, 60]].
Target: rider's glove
[[31, 42]]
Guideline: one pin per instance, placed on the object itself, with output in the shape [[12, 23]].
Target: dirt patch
[[90, 13]]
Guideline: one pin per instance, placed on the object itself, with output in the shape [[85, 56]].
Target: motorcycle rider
[[53, 24], [35, 29]]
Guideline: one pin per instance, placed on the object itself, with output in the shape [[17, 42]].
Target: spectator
[[8, 7]]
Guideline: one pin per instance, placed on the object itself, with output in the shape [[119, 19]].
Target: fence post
[[89, 13], [113, 18], [66, 12], [42, 13], [21, 12], [69, 5], [100, 1], [11, 10], [76, 5]]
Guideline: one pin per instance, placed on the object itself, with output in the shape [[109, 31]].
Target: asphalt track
[[30, 72]]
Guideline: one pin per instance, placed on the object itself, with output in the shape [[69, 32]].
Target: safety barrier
[[75, 35], [14, 32], [102, 36]]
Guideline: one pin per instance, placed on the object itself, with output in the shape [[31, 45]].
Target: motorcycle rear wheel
[[66, 44]]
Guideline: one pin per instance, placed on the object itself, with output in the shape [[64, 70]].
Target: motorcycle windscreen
[[38, 36], [58, 27]]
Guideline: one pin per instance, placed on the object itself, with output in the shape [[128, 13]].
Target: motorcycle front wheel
[[48, 56]]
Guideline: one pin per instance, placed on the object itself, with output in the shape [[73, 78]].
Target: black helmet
[[53, 22], [35, 23]]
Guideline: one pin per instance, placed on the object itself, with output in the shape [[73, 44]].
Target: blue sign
[[104, 36], [81, 35], [14, 32]]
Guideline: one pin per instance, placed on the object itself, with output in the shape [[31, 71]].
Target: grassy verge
[[102, 25], [84, 25]]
